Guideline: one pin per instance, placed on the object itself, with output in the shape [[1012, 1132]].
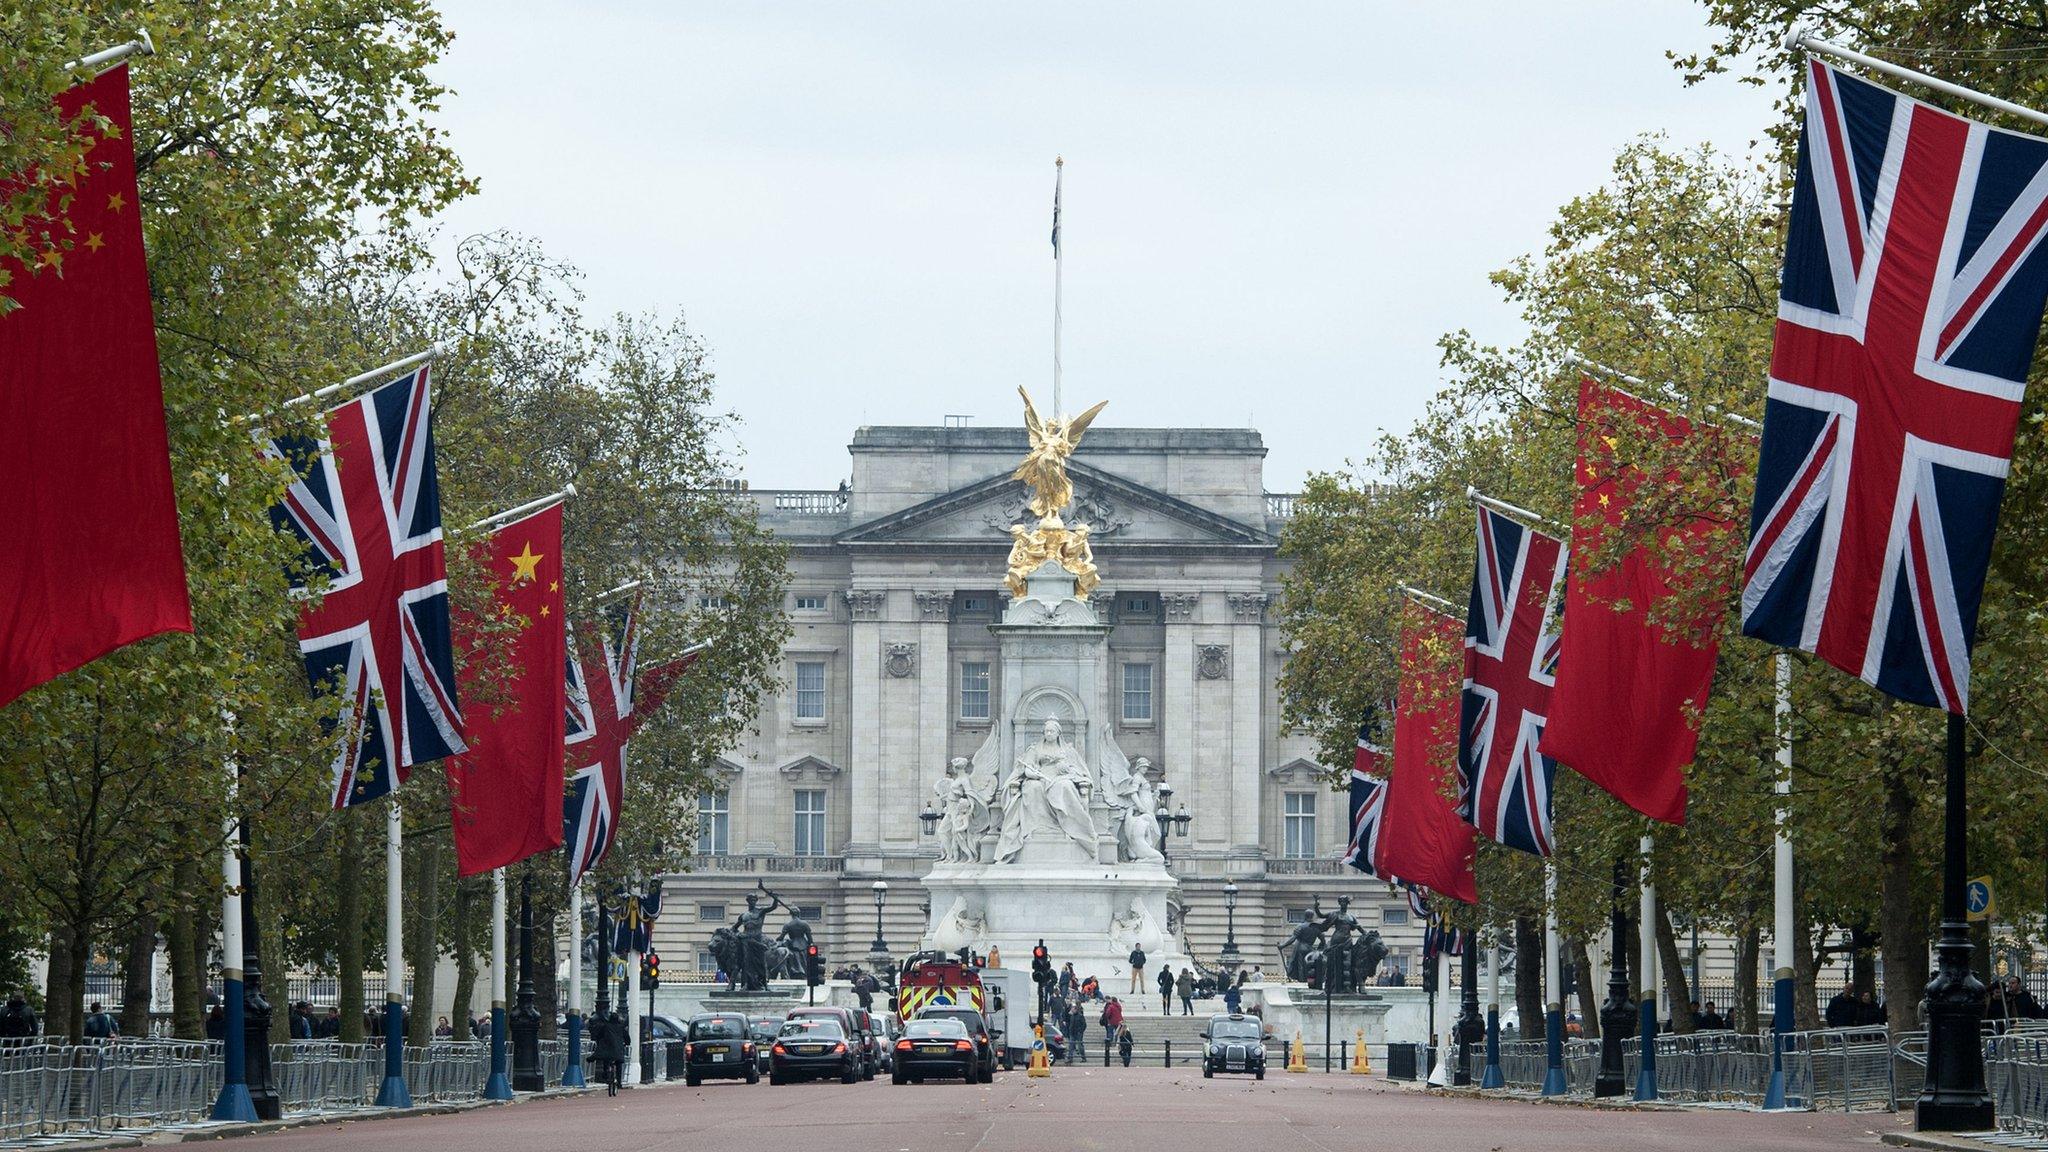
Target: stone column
[[1173, 707], [1247, 727], [935, 718], [864, 719]]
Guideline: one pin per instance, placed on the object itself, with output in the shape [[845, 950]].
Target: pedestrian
[[1186, 987], [1868, 1012], [302, 1021], [1137, 971], [608, 1048], [17, 1020], [217, 1023], [1232, 999], [864, 988], [1166, 989], [1068, 981], [1710, 1020], [1841, 1011], [99, 1025], [1258, 974], [1123, 1044], [1112, 1017], [443, 1030], [1077, 1025], [330, 1027]]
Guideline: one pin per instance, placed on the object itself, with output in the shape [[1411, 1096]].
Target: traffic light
[[814, 966], [1041, 964], [650, 969]]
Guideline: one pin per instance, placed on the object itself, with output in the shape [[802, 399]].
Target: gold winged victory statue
[[1044, 470]]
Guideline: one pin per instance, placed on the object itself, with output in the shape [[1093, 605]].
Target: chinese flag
[[89, 551], [1625, 709], [506, 791], [1422, 840]]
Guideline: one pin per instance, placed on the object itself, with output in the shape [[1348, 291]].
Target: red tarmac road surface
[[1118, 1110]]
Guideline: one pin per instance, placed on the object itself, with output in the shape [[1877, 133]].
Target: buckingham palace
[[896, 577]]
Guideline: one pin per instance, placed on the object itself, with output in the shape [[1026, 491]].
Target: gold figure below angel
[[1044, 470]]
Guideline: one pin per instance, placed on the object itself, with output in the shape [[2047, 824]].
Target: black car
[[813, 1048], [858, 1024], [764, 1029], [720, 1047], [1234, 1043], [977, 1031], [935, 1046]]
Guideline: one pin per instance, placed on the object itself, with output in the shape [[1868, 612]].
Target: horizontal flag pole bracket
[[106, 58], [381, 373], [1413, 592], [1804, 38], [692, 650], [511, 514], [1507, 509], [621, 590], [1670, 391]]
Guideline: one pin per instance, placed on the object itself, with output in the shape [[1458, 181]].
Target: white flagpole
[[1059, 174], [1512, 511], [393, 1093], [106, 58], [381, 373], [633, 996], [1646, 937], [1803, 38], [497, 1087], [1781, 920], [1439, 1076], [572, 1076], [508, 514], [1553, 984]]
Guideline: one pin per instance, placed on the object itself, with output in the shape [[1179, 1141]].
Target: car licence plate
[[934, 1048], [812, 1049]]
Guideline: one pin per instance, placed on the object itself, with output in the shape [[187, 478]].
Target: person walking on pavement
[[1166, 989], [608, 1048], [1077, 1024], [17, 1020], [1186, 986], [1137, 971], [99, 1025], [1123, 1044]]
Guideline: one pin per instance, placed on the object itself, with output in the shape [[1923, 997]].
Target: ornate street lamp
[[1230, 909], [1617, 1015], [881, 889]]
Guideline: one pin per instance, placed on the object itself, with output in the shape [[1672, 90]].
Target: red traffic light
[[1038, 953], [811, 951]]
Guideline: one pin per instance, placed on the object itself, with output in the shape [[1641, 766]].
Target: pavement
[[1079, 1109]]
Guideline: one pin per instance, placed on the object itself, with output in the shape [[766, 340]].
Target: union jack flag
[[1418, 900], [1440, 937], [366, 503], [600, 671], [1368, 795], [1907, 317], [1510, 664]]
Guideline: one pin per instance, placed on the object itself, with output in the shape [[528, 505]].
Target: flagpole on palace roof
[[1804, 38], [1059, 174], [1510, 510]]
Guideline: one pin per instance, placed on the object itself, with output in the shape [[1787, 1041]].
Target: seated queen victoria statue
[[1046, 797]]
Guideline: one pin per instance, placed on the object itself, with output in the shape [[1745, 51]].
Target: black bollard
[[1618, 1014], [525, 1028], [1169, 1053]]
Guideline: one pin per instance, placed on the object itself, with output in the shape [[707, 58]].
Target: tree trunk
[[61, 988], [138, 976], [1748, 948], [1805, 998], [188, 960], [425, 943], [1677, 984], [544, 991], [463, 1010], [1588, 985], [348, 960], [1902, 922], [1529, 1003]]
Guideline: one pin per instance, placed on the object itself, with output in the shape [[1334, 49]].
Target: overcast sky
[[1272, 210]]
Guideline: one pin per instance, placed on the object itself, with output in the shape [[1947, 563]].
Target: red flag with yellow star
[[90, 557], [1625, 710], [506, 790]]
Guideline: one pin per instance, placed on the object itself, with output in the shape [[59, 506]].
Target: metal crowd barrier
[[1834, 1069], [82, 1089], [2017, 1066], [323, 1076], [444, 1072]]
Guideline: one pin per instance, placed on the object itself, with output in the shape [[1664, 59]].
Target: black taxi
[[719, 1046]]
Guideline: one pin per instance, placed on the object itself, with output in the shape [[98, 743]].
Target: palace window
[[810, 603], [1394, 917], [974, 604], [1139, 608], [974, 690], [810, 689], [714, 823], [810, 822], [810, 913], [1138, 693], [710, 913], [1301, 825], [711, 603]]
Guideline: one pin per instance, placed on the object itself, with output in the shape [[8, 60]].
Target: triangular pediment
[[1118, 512]]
